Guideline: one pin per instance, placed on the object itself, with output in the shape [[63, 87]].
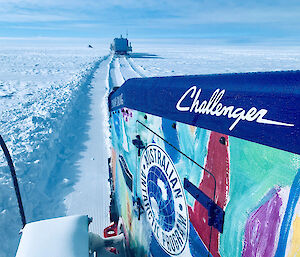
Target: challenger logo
[[164, 199], [213, 107]]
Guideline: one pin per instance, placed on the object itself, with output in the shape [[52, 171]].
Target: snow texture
[[45, 109]]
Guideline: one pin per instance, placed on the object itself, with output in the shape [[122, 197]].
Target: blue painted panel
[[259, 107], [171, 136]]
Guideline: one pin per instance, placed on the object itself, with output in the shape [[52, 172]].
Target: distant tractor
[[121, 46]]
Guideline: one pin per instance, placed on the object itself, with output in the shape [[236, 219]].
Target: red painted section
[[111, 230], [217, 162]]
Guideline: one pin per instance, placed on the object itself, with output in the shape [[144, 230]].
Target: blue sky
[[244, 20]]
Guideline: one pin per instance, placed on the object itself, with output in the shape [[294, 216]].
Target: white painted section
[[60, 237]]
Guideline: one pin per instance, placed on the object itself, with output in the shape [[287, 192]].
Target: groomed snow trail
[[126, 69], [91, 192], [115, 76]]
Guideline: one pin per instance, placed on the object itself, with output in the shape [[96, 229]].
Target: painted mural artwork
[[255, 185]]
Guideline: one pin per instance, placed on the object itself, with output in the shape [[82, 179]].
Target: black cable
[[15, 180], [215, 183]]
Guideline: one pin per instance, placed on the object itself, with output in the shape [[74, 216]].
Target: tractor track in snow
[[135, 67], [122, 68]]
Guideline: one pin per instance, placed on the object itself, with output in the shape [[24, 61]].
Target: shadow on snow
[[144, 55]]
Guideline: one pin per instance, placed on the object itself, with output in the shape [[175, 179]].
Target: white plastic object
[[59, 237]]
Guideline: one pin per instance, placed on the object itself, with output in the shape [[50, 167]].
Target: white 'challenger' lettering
[[215, 108]]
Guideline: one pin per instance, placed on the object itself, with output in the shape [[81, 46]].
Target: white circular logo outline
[[180, 230]]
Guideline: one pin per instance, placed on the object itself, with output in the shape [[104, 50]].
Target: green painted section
[[254, 170]]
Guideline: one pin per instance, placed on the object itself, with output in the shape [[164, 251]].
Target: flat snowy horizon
[[53, 115]]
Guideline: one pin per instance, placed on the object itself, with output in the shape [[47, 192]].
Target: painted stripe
[[288, 216]]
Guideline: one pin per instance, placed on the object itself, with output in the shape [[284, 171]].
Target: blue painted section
[[276, 92], [117, 124], [288, 216], [126, 172], [215, 213], [156, 249], [197, 247], [170, 134], [202, 198]]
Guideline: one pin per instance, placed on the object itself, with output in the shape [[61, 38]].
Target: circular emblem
[[164, 199]]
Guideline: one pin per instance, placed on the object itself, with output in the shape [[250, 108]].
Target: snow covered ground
[[52, 113], [181, 58], [45, 106]]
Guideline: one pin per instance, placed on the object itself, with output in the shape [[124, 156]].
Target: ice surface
[[52, 114]]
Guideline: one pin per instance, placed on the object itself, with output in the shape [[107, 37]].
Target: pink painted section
[[262, 228], [127, 114], [217, 162]]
